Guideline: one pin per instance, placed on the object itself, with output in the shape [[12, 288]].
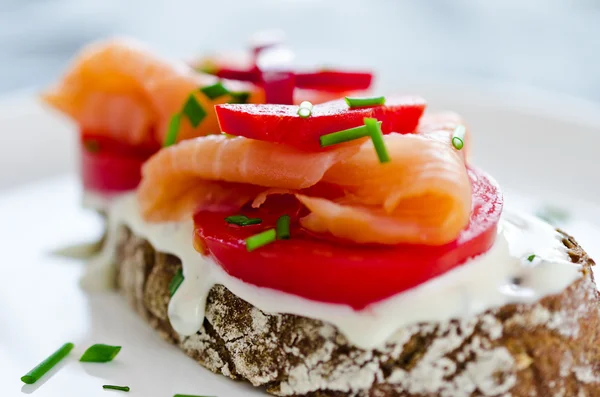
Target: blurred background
[[547, 44], [541, 56]]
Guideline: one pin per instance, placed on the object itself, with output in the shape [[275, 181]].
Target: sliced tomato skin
[[281, 123], [334, 80], [108, 166], [322, 80], [325, 270]]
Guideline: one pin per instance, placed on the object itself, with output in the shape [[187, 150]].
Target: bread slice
[[547, 349]]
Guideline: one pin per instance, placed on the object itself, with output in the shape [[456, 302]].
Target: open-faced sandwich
[[348, 249]]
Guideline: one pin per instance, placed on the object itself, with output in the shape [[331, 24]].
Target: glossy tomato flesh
[[281, 123], [324, 269], [108, 166], [322, 80]]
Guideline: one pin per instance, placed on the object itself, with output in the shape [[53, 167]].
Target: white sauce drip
[[500, 276]]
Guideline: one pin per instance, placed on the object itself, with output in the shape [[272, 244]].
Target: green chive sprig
[[176, 282], [214, 91], [305, 109], [344, 136], [261, 239], [193, 111], [42, 368], [304, 113], [242, 220], [365, 102], [113, 387], [100, 353], [458, 137], [371, 128], [374, 128], [173, 130], [531, 257], [283, 227], [189, 395], [239, 97]]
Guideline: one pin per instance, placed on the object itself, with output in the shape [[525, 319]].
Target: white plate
[[544, 150]]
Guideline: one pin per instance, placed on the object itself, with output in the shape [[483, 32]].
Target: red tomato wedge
[[328, 270], [281, 123], [334, 80], [323, 80], [109, 166]]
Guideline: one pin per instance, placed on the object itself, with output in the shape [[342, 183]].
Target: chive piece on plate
[[239, 97], [176, 282], [189, 395], [365, 102], [260, 239], [344, 136], [193, 111], [304, 112], [553, 215], [113, 387], [100, 353], [35, 374], [531, 257], [174, 125], [458, 137], [242, 220], [374, 128], [214, 91], [283, 227]]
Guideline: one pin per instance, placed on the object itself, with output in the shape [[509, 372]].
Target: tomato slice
[[326, 270], [108, 166], [334, 80], [281, 123], [323, 80]]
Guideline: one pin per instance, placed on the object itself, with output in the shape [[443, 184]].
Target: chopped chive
[[364, 102], [242, 220], [306, 105], [374, 128], [112, 387], [193, 111], [553, 215], [304, 112], [100, 353], [458, 137], [176, 282], [189, 395], [531, 257], [208, 68], [214, 91], [36, 373], [239, 97], [283, 227], [91, 145], [260, 239], [344, 136], [174, 125]]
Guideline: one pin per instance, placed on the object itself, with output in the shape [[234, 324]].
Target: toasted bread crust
[[547, 349]]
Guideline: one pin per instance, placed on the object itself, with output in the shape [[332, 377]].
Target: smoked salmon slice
[[178, 180], [440, 127], [422, 196], [120, 89]]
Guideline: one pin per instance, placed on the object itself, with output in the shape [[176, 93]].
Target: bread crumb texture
[[547, 349]]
